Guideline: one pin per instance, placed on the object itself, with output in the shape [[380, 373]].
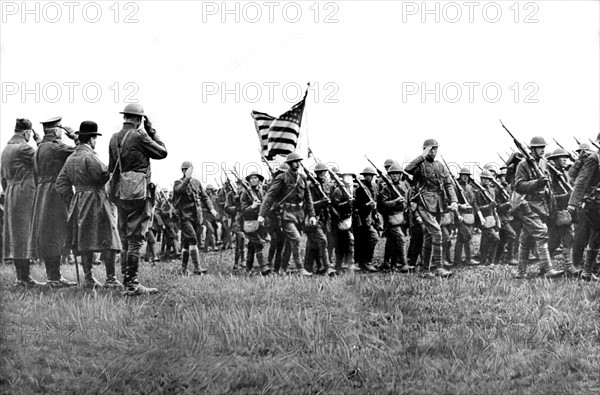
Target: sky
[[385, 75]]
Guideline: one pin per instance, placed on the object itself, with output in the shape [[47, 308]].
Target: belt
[[291, 206], [88, 188]]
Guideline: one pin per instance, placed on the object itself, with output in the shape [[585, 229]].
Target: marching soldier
[[465, 225], [50, 211], [92, 220], [251, 202], [342, 200], [392, 203], [18, 182], [290, 191], [316, 243], [587, 192], [233, 208], [534, 211], [582, 223], [560, 229], [432, 180], [485, 201], [130, 151], [278, 247], [508, 236], [365, 234], [189, 196]]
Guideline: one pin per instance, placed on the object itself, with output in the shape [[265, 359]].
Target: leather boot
[[26, 279], [546, 269], [132, 286], [588, 267], [568, 267], [510, 258], [55, 280], [260, 259], [195, 261], [483, 250], [185, 257], [111, 278], [458, 247], [87, 259]]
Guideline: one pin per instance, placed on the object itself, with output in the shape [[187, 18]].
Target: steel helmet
[[430, 143], [320, 167], [465, 170], [537, 141], [582, 147], [134, 108], [346, 173], [388, 162], [485, 173], [335, 169], [395, 168], [558, 153], [293, 157], [257, 174], [368, 171], [186, 165], [209, 187], [491, 167]]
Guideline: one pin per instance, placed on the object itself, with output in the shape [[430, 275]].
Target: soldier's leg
[[111, 278], [286, 253], [331, 240], [581, 238], [22, 266], [554, 237], [460, 244], [371, 242], [349, 256], [434, 230], [415, 246], [446, 246], [195, 253], [293, 237], [535, 227], [323, 257], [250, 250], [260, 259], [340, 247], [592, 211], [492, 243], [567, 253], [87, 259], [55, 280], [359, 244]]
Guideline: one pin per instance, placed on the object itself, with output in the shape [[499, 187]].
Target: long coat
[[50, 211], [18, 181], [92, 220]]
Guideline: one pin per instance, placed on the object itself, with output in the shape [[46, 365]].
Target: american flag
[[283, 131], [262, 121]]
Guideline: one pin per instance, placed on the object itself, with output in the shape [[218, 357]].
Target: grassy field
[[479, 332]]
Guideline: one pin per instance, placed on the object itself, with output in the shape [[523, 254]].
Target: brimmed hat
[[368, 171], [88, 128], [51, 122], [558, 153], [133, 108]]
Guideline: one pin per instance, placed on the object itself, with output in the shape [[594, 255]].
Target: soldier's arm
[[206, 201], [448, 183], [413, 166], [153, 147], [180, 186], [112, 153], [315, 194], [583, 180], [64, 186], [575, 169], [274, 190], [309, 207]]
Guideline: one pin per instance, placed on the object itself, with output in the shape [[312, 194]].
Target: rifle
[[594, 144], [459, 188], [365, 189], [266, 162], [227, 182], [503, 190], [246, 187], [568, 153], [577, 141], [501, 158], [532, 163], [560, 177], [385, 178], [314, 180], [77, 266], [337, 181]]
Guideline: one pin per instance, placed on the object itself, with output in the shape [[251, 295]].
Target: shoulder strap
[[286, 197], [119, 148]]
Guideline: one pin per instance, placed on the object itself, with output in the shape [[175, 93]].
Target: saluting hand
[[312, 221], [260, 220], [188, 172]]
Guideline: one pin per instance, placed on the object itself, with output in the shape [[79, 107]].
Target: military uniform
[[233, 208], [365, 213], [290, 192], [586, 195], [257, 239], [134, 215], [489, 229], [392, 209], [465, 226], [582, 223], [344, 207], [534, 211], [50, 211], [316, 259], [434, 190], [17, 175], [189, 199]]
